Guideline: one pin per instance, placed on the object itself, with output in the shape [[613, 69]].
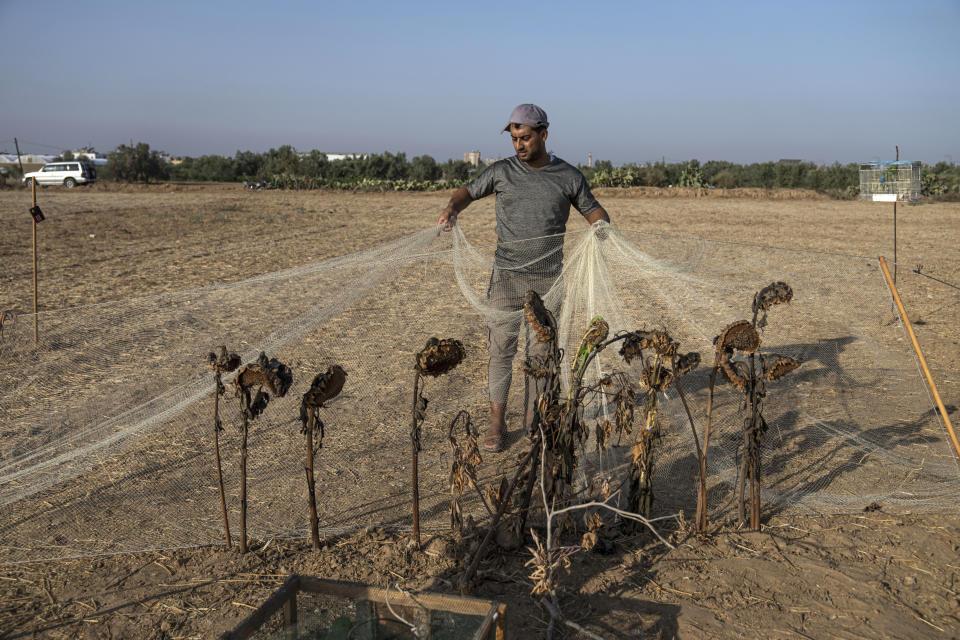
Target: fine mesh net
[[107, 422]]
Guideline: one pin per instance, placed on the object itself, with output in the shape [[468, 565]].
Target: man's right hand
[[458, 202], [447, 219]]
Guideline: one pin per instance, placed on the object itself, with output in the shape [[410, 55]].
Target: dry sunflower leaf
[[686, 363], [589, 540], [777, 366], [735, 372], [657, 379]]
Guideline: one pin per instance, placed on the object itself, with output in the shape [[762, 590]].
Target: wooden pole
[[36, 306], [19, 161], [923, 361], [311, 485], [895, 221]]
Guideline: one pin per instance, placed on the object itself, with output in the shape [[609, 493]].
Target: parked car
[[68, 173]]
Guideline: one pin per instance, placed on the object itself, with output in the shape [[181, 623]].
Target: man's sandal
[[493, 441]]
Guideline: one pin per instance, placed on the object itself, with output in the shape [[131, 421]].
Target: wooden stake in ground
[[895, 220], [37, 217], [325, 386], [435, 359], [923, 361], [277, 378], [221, 363]]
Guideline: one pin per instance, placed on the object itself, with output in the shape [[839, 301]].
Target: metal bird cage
[[890, 181]]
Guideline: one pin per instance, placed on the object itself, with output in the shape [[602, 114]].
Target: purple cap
[[528, 114]]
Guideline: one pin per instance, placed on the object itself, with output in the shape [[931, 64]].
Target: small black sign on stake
[[37, 214]]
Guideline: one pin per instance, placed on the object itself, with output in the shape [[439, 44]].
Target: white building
[[345, 156]]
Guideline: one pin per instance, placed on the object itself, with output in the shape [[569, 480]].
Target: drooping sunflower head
[[663, 344], [538, 317], [439, 356], [740, 336], [266, 372], [223, 362], [659, 341], [773, 294], [325, 386], [597, 331], [632, 347]]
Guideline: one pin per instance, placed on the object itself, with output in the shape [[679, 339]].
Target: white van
[[69, 173]]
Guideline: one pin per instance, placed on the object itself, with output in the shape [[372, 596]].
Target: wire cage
[[306, 607], [890, 181]]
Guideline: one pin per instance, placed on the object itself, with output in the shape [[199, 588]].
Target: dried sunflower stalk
[[463, 469], [435, 359], [221, 362], [325, 386], [275, 376]]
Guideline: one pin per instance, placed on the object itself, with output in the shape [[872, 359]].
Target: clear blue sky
[[627, 81]]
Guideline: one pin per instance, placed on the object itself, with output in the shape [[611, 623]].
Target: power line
[[35, 144]]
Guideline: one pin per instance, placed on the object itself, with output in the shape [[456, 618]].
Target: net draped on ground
[[106, 425]]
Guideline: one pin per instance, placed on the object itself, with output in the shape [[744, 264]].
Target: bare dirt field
[[866, 575]]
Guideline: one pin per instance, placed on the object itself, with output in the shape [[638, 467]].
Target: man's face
[[530, 144]]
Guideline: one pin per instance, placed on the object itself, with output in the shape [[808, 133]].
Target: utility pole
[[17, 145]]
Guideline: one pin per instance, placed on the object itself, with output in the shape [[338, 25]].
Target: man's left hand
[[601, 229]]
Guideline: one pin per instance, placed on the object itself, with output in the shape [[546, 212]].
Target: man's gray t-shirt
[[532, 203]]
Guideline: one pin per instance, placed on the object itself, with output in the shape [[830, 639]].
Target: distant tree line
[[837, 179], [284, 167], [941, 180]]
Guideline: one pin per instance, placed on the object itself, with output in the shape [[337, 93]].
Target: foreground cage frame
[[890, 181], [385, 605]]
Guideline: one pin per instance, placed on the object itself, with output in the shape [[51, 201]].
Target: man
[[534, 193]]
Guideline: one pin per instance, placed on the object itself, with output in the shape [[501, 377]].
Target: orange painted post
[[501, 632], [923, 361]]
